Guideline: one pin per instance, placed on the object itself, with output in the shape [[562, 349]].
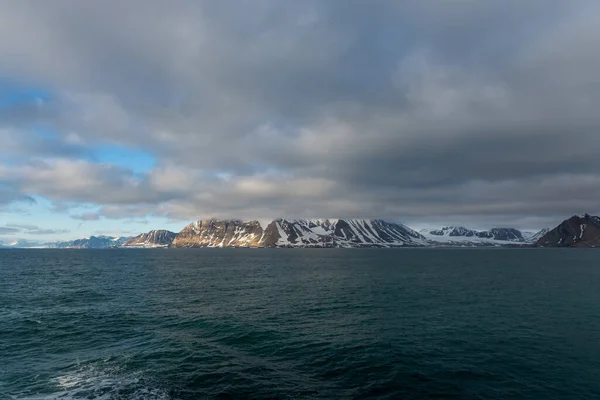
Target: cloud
[[89, 216], [24, 142], [29, 229], [48, 231], [9, 194], [122, 232], [23, 226], [78, 180], [8, 230], [314, 108]]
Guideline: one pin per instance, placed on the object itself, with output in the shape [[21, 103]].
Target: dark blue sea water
[[300, 324]]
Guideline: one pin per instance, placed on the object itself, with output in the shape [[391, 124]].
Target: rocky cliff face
[[157, 238], [505, 234], [216, 233], [298, 233], [577, 231]]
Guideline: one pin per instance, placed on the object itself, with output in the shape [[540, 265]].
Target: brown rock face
[[577, 231], [271, 236], [297, 233], [214, 233], [159, 238]]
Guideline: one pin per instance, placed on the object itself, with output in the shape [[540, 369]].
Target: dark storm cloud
[[413, 110]]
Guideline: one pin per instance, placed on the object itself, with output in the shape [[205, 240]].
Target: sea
[[300, 324]]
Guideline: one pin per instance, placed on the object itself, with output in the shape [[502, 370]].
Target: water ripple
[[262, 324]]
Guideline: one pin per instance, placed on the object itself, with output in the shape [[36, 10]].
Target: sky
[[120, 117]]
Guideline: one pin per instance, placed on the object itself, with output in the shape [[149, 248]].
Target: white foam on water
[[102, 382], [70, 380]]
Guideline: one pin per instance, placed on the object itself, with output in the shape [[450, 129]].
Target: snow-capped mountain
[[452, 231], [534, 236], [332, 233], [461, 236], [156, 238], [577, 231], [345, 233], [298, 233], [23, 244], [93, 242]]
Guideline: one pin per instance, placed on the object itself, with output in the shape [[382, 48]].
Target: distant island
[[577, 231]]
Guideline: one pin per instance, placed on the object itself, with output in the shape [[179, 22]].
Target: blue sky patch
[[14, 94], [138, 160]]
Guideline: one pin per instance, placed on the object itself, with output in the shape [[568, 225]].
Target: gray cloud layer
[[29, 230], [451, 112]]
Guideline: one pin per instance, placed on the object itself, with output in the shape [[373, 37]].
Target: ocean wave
[[101, 380]]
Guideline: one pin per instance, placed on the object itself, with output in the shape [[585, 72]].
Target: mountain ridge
[[297, 233], [151, 239], [577, 231], [92, 242], [462, 236]]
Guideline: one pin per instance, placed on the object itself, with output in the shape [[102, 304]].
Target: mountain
[[577, 231], [157, 238], [93, 242], [220, 233], [452, 231], [23, 244], [502, 234], [298, 233], [345, 233], [533, 237], [461, 236]]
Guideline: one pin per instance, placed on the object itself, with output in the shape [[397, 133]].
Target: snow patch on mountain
[[461, 236], [298, 233]]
